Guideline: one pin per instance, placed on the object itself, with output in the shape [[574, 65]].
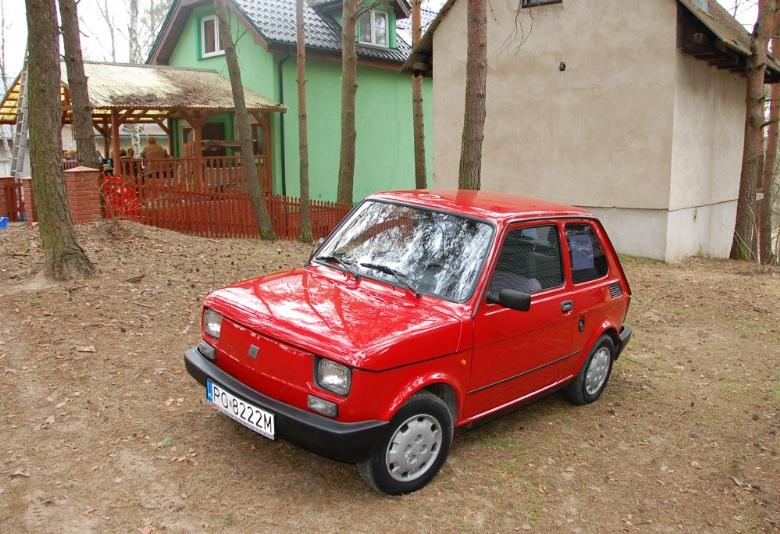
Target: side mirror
[[509, 298]]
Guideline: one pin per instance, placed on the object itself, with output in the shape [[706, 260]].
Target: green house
[[265, 35]]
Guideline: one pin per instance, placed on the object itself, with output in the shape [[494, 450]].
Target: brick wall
[[82, 185], [6, 182]]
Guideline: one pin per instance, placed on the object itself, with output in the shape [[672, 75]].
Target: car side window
[[588, 261], [530, 261]]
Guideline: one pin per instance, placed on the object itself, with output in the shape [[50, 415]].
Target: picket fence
[[206, 197]]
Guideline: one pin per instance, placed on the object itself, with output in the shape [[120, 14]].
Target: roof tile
[[274, 20]]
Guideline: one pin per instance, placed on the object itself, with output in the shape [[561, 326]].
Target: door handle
[[567, 306]]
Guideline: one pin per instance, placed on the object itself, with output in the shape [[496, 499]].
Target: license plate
[[250, 416]]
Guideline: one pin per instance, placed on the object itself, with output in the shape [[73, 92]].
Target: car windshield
[[423, 250]]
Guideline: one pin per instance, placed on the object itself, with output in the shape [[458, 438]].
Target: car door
[[518, 353], [590, 282]]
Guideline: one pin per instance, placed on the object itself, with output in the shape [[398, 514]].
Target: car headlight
[[212, 322], [334, 377]]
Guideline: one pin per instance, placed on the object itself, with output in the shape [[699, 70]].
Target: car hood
[[360, 323]]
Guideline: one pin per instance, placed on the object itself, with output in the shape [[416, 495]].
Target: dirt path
[[103, 431]]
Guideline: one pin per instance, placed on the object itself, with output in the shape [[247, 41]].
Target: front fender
[[452, 371]]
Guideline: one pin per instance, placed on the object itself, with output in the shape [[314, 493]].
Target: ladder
[[19, 150]]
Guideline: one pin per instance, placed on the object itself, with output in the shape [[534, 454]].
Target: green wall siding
[[385, 155]]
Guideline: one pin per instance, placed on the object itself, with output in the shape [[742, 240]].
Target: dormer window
[[210, 40], [373, 28]]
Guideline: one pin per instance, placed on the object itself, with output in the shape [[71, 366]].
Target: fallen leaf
[[19, 473]]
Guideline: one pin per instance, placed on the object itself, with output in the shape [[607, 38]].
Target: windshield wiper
[[402, 278], [345, 265]]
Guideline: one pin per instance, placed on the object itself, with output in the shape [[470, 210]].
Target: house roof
[[157, 89], [729, 36], [274, 22], [720, 22], [427, 16]]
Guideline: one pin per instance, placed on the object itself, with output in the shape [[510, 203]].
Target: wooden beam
[[169, 129], [163, 127], [115, 123]]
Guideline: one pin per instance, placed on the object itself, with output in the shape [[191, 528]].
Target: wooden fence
[[208, 199], [208, 172]]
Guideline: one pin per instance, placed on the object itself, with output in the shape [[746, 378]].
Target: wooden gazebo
[[151, 94]]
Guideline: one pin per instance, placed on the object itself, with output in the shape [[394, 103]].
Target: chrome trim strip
[[518, 375]]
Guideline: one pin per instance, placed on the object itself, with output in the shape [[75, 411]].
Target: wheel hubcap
[[597, 371], [414, 447]]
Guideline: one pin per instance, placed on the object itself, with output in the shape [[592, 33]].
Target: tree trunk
[[742, 246], [133, 41], [248, 163], [764, 206], [63, 257], [303, 136], [476, 83], [348, 95], [3, 138], [417, 105], [2, 49], [77, 82]]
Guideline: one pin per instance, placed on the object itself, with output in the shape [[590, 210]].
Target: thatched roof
[[148, 93]]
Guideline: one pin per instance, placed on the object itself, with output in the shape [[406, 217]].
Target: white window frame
[[217, 51], [372, 14]]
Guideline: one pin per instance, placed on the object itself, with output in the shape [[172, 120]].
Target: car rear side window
[[588, 261], [530, 261]]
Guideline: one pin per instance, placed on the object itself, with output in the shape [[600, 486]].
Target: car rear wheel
[[414, 449], [594, 374]]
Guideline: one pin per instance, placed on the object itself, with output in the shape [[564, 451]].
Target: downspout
[[281, 123]]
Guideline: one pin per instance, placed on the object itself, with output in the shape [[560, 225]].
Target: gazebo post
[[197, 123], [115, 140], [264, 169]]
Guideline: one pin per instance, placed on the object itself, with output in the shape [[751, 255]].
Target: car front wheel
[[593, 376], [414, 449]]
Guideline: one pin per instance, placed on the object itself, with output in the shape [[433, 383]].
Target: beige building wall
[[709, 122], [602, 134]]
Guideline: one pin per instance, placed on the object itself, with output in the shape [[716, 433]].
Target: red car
[[422, 313]]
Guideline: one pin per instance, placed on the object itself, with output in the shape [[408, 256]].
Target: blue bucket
[[3, 223]]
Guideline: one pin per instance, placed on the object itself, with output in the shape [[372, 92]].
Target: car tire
[[414, 449], [594, 373]]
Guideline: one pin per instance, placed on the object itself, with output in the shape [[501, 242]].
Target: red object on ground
[[422, 312], [120, 200]]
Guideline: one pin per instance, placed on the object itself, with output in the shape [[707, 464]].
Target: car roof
[[482, 204]]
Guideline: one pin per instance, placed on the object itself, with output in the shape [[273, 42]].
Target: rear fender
[[607, 326]]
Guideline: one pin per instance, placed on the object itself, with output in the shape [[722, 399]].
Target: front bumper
[[625, 337], [345, 442]]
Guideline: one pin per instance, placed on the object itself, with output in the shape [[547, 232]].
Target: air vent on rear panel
[[615, 290]]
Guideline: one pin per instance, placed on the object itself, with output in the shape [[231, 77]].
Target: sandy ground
[[103, 430]]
